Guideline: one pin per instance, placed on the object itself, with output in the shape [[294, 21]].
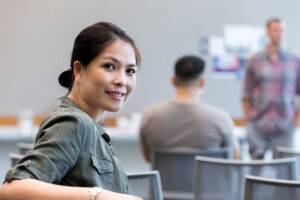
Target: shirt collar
[[68, 103], [281, 53]]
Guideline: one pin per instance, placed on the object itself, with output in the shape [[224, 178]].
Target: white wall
[[36, 40]]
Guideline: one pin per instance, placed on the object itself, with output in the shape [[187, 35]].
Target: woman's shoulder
[[71, 113], [67, 120]]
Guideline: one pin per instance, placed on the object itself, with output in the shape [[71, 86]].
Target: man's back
[[173, 124]]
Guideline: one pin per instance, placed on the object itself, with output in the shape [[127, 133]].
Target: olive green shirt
[[69, 150]]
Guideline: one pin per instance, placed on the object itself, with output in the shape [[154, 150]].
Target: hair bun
[[65, 79]]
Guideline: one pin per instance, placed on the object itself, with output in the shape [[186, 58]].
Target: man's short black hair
[[189, 67]]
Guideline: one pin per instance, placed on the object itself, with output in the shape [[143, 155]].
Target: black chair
[[146, 185], [224, 179], [177, 167], [258, 188]]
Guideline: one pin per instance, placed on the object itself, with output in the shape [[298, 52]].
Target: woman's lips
[[116, 95]]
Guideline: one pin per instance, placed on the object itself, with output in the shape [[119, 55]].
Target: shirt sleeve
[[143, 130], [249, 80], [55, 152], [228, 132], [298, 76]]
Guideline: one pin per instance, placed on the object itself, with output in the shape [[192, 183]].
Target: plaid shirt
[[271, 87]]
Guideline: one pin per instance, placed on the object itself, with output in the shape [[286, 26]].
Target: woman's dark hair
[[90, 42]]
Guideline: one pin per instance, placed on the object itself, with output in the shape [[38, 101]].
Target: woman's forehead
[[119, 50]]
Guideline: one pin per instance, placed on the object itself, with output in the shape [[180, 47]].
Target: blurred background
[[37, 36]]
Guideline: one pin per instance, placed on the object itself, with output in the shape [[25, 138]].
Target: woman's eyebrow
[[117, 61], [112, 58], [132, 65]]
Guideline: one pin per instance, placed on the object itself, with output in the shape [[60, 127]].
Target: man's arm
[[297, 117], [229, 139], [146, 151], [247, 108], [248, 87], [144, 134]]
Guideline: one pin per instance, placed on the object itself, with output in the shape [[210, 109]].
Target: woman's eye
[[109, 66], [131, 71]]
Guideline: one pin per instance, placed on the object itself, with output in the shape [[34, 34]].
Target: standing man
[[271, 86], [182, 121]]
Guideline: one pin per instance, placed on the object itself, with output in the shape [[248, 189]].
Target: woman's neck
[[83, 105]]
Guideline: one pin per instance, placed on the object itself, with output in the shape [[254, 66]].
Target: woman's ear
[[78, 70], [174, 81]]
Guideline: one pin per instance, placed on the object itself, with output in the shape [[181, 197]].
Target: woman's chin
[[114, 108]]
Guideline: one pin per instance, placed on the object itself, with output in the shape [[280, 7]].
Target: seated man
[[184, 122]]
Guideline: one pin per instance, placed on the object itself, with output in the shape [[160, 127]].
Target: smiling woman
[[107, 81], [71, 150]]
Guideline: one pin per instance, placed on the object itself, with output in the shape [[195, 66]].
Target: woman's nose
[[120, 78]]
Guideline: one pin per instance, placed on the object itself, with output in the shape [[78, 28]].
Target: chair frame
[[170, 194], [287, 150], [226, 150], [267, 181], [155, 174], [291, 161]]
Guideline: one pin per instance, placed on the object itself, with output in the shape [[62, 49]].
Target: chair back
[[224, 179], [14, 158], [258, 188], [177, 167], [24, 147], [285, 152], [146, 185]]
